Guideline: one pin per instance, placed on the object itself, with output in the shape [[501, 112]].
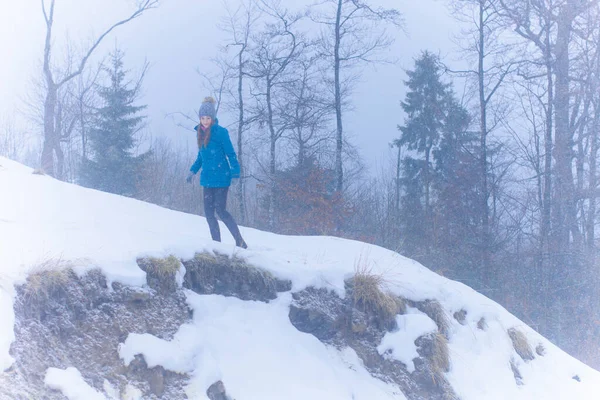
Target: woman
[[219, 164]]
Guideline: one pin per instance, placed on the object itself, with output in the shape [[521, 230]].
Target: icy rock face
[[82, 322], [81, 325], [340, 323]]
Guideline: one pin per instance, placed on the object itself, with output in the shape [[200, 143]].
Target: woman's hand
[[190, 177]]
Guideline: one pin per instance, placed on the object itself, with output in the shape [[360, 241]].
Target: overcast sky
[[180, 35]]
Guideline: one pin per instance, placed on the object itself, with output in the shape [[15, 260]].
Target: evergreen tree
[[412, 207], [426, 107], [457, 208], [113, 167], [440, 214]]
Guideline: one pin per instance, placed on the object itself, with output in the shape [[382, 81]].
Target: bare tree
[[12, 141], [352, 34], [308, 112], [54, 83], [550, 26], [239, 24], [481, 42], [273, 51]]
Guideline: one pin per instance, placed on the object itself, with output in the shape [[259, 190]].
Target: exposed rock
[[80, 322], [482, 324], [219, 274], [338, 322], [318, 312], [461, 317], [540, 350], [217, 391], [81, 325], [516, 373]]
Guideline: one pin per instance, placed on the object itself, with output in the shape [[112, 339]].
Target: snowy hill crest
[[134, 301]]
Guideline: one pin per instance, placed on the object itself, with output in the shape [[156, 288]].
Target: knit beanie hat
[[207, 109]]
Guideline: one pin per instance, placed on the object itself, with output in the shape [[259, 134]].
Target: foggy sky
[[181, 35]]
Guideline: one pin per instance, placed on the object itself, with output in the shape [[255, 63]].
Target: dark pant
[[215, 199]]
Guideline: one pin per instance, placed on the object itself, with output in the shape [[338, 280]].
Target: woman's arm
[[197, 165], [230, 153]]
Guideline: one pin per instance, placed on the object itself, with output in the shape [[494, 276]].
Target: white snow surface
[[70, 382], [251, 346], [400, 345]]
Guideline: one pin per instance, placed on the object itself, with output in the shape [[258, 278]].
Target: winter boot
[[239, 242]]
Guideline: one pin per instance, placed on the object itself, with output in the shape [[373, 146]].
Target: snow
[[252, 346], [400, 345], [229, 338], [70, 382]]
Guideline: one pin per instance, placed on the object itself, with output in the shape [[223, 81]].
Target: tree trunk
[[564, 206], [397, 197], [271, 157], [240, 142], [83, 132], [592, 184], [428, 222], [50, 139], [339, 172], [485, 218], [547, 202]]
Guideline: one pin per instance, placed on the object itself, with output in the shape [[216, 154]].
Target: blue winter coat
[[218, 160]]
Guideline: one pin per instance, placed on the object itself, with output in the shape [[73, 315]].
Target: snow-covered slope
[[230, 339]]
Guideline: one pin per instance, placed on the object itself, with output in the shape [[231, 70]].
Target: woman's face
[[205, 121]]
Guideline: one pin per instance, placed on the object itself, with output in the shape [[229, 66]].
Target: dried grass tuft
[[440, 360], [46, 279], [163, 267], [436, 312], [367, 295], [521, 344]]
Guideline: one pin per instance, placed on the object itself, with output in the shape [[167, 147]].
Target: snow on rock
[[70, 382], [400, 344], [256, 352]]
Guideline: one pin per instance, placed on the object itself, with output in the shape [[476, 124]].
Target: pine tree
[[457, 208], [426, 109], [114, 168]]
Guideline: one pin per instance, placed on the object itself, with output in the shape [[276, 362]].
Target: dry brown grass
[[47, 278], [38, 171], [436, 312], [206, 258], [440, 359], [163, 267], [210, 267], [368, 295], [521, 344]]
